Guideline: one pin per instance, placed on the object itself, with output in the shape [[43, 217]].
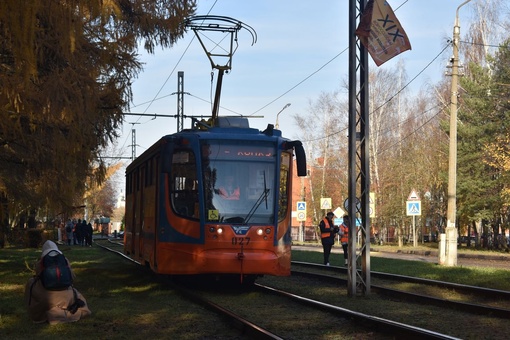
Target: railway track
[[238, 310], [466, 298], [245, 326]]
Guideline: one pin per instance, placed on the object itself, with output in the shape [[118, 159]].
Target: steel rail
[[399, 329], [489, 292], [246, 327]]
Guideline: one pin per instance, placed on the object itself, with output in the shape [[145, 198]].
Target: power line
[[164, 83], [302, 81], [480, 44], [413, 132], [388, 100]]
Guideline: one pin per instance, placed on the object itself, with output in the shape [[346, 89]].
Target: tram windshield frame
[[239, 181]]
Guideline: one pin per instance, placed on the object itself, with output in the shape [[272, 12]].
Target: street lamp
[[286, 106]]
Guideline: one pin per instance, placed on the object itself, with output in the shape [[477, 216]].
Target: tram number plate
[[240, 241]]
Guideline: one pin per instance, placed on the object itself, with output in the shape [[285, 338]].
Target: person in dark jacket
[[82, 233], [328, 232], [89, 231]]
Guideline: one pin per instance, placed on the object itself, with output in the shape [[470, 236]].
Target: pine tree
[[65, 80]]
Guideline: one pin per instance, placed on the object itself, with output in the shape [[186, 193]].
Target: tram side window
[[183, 184], [283, 201]]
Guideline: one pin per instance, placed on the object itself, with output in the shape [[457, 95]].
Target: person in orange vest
[[344, 237], [328, 232]]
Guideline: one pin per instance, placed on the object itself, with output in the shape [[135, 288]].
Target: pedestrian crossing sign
[[413, 208]]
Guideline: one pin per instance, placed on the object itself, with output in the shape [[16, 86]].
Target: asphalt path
[[463, 260]]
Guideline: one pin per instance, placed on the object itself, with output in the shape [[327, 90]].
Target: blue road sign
[[413, 208]]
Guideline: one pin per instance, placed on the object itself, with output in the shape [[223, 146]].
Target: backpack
[[56, 273]]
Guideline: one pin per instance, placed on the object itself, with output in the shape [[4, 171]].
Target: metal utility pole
[[359, 170], [133, 144], [180, 101], [133, 141], [448, 241]]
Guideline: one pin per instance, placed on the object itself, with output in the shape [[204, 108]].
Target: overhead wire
[[301, 82], [150, 102], [413, 132], [298, 84], [387, 101]]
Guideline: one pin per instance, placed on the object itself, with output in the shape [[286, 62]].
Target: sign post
[[413, 208], [301, 217]]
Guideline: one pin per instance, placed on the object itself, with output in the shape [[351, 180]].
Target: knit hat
[[49, 246]]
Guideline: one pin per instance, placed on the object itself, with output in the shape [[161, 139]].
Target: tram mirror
[[300, 157], [300, 160]]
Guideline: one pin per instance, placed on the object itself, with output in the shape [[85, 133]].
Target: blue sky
[[295, 38]]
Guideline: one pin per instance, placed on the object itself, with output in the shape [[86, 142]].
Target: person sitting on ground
[[52, 298]]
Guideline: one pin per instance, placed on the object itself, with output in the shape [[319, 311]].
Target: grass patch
[[127, 301], [130, 302]]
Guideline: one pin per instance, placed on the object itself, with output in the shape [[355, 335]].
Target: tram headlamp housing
[[217, 230], [260, 231]]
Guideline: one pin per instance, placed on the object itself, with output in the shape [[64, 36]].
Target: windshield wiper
[[262, 197]]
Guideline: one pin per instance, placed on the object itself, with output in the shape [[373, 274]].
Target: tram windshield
[[239, 181]]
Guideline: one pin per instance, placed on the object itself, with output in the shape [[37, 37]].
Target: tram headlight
[[216, 230], [260, 231], [268, 231]]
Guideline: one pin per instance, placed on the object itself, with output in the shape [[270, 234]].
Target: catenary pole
[[358, 281]]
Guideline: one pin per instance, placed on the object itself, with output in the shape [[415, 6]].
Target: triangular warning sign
[[413, 196]]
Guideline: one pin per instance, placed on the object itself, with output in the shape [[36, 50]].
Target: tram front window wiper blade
[[262, 197]]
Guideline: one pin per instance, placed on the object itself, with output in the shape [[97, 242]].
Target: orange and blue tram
[[214, 200]]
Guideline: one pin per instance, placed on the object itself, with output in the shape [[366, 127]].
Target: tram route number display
[[241, 241]]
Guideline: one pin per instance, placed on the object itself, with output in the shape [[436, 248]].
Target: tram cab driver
[[229, 191]]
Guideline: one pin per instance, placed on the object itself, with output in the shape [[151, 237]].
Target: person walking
[[328, 232], [344, 237]]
